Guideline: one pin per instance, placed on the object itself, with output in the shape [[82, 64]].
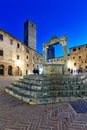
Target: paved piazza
[[16, 115]]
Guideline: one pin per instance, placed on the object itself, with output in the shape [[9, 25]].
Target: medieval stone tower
[[30, 34]]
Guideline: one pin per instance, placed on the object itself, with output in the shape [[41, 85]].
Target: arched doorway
[[9, 70], [17, 72], [1, 69]]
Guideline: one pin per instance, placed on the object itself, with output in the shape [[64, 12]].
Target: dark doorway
[[1, 69], [9, 70]]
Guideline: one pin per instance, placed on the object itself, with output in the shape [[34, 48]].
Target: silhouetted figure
[[71, 71], [36, 71]]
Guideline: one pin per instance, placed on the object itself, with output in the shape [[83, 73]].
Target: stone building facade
[[77, 59], [15, 57]]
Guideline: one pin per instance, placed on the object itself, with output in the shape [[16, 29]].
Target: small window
[[86, 46], [74, 49], [32, 25], [27, 65], [11, 41], [86, 67], [79, 48], [74, 57], [37, 59], [18, 57], [74, 64], [1, 37], [26, 57], [1, 52], [82, 61], [40, 59], [79, 57], [27, 50], [18, 45]]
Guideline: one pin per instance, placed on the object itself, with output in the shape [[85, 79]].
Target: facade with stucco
[[15, 57]]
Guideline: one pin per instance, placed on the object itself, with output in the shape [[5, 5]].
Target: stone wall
[[53, 69]]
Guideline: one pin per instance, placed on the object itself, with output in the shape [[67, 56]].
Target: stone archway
[[53, 41], [1, 69], [9, 70]]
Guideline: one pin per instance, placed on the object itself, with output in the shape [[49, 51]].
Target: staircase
[[43, 89]]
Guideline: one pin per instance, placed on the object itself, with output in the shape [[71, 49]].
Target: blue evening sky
[[52, 17]]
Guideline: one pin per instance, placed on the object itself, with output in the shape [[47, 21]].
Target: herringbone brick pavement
[[16, 115]]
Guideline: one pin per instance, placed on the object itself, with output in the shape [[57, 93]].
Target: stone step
[[46, 86]]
